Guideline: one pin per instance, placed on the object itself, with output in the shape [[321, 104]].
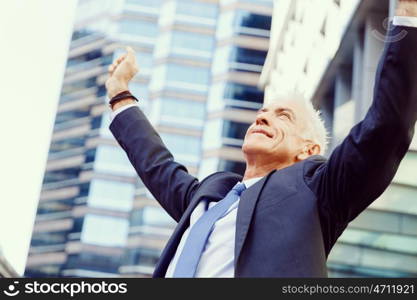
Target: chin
[[250, 148]]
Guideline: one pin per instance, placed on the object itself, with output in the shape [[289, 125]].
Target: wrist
[[121, 97], [115, 87], [122, 103]]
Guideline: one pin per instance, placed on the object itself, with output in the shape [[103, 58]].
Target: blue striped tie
[[200, 231]]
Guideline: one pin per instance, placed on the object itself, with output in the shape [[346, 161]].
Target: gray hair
[[316, 130]]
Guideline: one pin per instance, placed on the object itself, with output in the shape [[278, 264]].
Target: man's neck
[[256, 168]]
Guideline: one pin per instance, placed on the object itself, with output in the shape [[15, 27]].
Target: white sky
[[34, 39]]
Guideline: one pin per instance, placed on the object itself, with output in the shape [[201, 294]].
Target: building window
[[212, 137], [220, 133], [45, 270], [232, 166], [399, 193], [112, 160], [138, 27], [242, 22], [261, 2], [140, 90], [142, 257], [238, 59], [182, 113], [196, 9], [66, 116], [94, 54], [407, 173], [111, 195], [243, 92], [60, 175], [78, 85], [105, 231], [57, 206], [67, 144], [151, 216], [190, 40], [151, 3], [186, 149], [80, 33], [187, 74], [251, 20], [49, 238], [181, 77], [183, 44], [94, 262], [234, 130], [207, 167], [248, 56], [234, 95]]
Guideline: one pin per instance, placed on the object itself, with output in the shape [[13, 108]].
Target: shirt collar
[[248, 183]]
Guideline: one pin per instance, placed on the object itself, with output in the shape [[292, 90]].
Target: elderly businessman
[[284, 216]]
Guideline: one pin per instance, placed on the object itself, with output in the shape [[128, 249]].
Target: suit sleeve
[[364, 164], [168, 181]]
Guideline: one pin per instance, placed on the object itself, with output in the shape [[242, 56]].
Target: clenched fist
[[121, 71], [407, 8]]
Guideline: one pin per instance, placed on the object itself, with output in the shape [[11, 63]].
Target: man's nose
[[261, 120]]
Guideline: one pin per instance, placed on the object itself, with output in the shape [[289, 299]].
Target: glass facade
[[234, 95], [196, 9], [138, 27], [245, 23], [186, 149], [104, 231], [187, 45], [151, 216], [382, 240], [241, 47], [224, 133], [190, 116], [182, 77]]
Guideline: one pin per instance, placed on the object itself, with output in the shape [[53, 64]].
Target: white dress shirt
[[405, 21], [217, 259]]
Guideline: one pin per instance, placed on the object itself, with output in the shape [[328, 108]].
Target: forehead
[[296, 107]]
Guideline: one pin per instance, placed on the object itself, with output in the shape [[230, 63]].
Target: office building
[[242, 40], [6, 270], [330, 56]]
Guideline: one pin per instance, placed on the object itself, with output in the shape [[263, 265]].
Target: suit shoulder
[[222, 175], [312, 165]]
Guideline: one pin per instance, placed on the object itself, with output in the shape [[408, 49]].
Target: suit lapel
[[172, 244], [247, 204], [213, 189]]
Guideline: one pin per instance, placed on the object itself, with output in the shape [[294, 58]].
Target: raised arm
[[361, 168], [168, 181]]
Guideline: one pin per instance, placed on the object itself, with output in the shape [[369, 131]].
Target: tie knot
[[239, 188]]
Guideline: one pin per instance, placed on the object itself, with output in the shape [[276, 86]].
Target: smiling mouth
[[261, 131]]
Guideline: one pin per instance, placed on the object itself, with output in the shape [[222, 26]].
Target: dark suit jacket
[[288, 222]]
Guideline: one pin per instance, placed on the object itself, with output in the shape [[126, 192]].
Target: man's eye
[[285, 115]]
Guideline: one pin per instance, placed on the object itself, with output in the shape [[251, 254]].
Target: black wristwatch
[[122, 96]]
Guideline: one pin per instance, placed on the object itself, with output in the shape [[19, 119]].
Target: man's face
[[277, 132]]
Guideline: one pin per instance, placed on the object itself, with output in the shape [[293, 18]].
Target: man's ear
[[314, 149], [308, 150]]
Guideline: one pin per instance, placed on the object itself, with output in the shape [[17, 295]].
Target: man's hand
[[121, 71], [407, 8]]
